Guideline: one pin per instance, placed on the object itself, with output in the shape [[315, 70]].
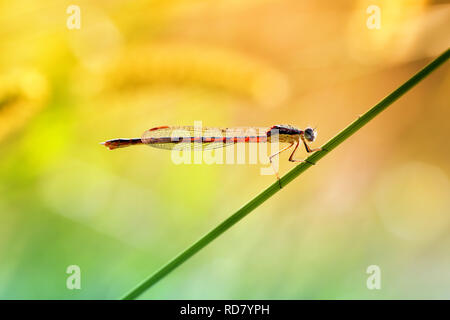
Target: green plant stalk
[[291, 175]]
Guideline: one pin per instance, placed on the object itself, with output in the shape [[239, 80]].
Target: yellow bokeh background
[[381, 198]]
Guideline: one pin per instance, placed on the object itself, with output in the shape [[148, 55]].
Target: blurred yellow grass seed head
[[413, 201], [23, 93], [179, 64]]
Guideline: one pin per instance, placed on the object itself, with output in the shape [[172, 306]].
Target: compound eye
[[310, 134]]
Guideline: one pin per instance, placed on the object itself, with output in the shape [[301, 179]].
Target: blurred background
[[382, 198]]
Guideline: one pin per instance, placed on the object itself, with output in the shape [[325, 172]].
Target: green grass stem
[[291, 175]]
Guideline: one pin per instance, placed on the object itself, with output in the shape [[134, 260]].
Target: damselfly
[[204, 138]]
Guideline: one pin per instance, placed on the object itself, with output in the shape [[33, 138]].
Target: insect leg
[[308, 148], [271, 163], [293, 152]]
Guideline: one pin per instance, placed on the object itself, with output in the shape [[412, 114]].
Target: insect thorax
[[283, 130]]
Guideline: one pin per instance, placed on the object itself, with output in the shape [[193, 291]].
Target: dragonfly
[[207, 138]]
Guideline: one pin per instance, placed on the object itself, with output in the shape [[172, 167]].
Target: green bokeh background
[[382, 198]]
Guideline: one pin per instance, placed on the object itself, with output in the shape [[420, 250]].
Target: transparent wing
[[195, 138]]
